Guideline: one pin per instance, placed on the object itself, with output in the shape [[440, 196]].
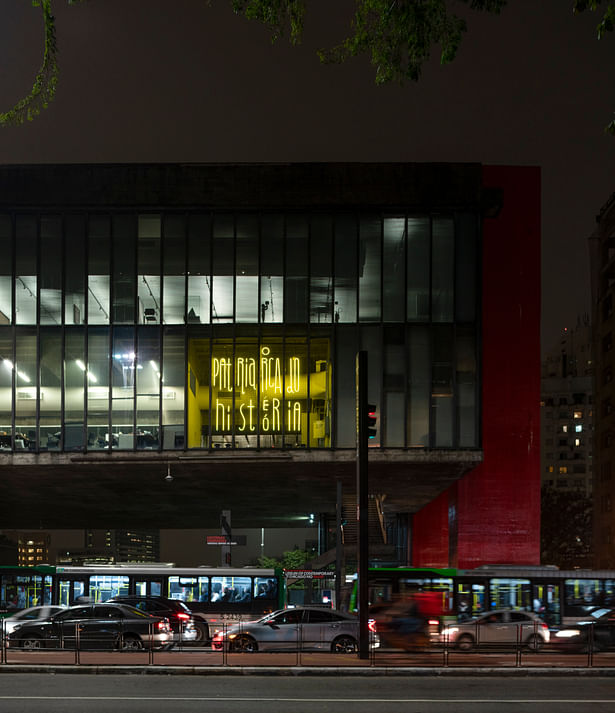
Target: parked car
[[308, 628], [179, 616], [597, 631], [502, 627], [94, 626], [31, 614]]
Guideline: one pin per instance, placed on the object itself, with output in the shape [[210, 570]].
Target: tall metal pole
[[362, 504], [338, 545]]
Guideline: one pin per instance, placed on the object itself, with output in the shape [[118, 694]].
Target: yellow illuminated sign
[[239, 383]]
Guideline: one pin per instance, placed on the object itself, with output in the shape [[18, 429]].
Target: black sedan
[[596, 632], [93, 627]]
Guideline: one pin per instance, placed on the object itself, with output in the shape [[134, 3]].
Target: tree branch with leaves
[[397, 35]]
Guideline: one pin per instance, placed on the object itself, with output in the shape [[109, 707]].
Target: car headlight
[[567, 633], [450, 631]]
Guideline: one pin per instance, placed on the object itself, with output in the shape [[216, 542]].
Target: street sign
[[224, 540], [306, 574]]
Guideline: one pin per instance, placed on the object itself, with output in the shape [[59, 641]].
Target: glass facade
[[195, 330]]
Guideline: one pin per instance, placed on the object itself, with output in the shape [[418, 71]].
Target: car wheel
[[534, 642], [202, 632], [130, 642], [465, 643], [344, 645], [244, 644], [31, 643]]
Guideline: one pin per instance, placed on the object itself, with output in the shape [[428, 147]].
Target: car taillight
[[184, 617], [371, 625], [544, 626], [163, 625], [433, 622], [218, 636]]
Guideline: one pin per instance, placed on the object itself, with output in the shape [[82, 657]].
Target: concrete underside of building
[[261, 489]]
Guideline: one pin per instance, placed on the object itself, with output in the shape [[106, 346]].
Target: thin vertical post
[[362, 503], [338, 545]]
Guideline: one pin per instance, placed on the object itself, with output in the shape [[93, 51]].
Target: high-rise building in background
[[31, 547], [567, 411], [111, 546], [602, 252]]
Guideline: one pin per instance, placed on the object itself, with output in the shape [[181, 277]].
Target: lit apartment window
[[562, 470], [578, 428], [577, 441], [550, 469], [565, 429], [578, 414]]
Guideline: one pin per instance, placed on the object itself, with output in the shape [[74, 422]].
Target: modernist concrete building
[[179, 339]]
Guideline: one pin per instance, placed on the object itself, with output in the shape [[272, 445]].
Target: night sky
[[183, 81]]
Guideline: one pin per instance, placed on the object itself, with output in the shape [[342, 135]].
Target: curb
[[307, 671]]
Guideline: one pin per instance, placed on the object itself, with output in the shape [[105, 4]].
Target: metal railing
[[233, 645]]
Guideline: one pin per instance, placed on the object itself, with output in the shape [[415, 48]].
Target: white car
[[32, 614], [305, 628], [503, 627]]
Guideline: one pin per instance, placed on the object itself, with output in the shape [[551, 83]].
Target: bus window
[[189, 589], [545, 603], [510, 593], [265, 588], [470, 600], [105, 586], [230, 590], [141, 588], [155, 588]]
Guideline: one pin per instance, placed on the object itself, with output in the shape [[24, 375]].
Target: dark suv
[[178, 614]]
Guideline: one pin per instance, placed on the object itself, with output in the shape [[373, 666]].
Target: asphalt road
[[65, 693]]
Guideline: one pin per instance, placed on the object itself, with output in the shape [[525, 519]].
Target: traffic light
[[372, 421]]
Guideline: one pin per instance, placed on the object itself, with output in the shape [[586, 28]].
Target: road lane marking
[[307, 700]]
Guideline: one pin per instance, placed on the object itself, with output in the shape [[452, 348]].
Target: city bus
[[215, 595], [559, 597]]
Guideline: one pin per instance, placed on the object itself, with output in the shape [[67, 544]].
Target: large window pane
[[51, 270], [246, 270], [320, 388], [6, 388], [98, 388], [199, 273], [466, 388], [345, 298], [148, 280], [99, 261], [272, 268], [74, 269], [418, 269], [321, 277], [149, 377], [6, 270], [347, 346], [51, 390], [369, 269], [222, 304], [75, 376], [124, 366], [26, 392], [124, 268], [394, 265], [26, 269], [173, 380], [442, 386], [394, 387], [174, 269], [296, 283], [419, 387], [443, 269], [466, 267]]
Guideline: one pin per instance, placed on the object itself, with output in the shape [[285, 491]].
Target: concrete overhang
[[261, 488]]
